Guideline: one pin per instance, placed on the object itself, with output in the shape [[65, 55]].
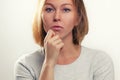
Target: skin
[[59, 18]]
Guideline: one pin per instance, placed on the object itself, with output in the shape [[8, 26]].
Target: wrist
[[49, 63]]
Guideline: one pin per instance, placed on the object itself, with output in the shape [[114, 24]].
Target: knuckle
[[57, 47], [60, 40], [57, 36], [48, 42]]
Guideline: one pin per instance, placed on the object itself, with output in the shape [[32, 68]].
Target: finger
[[54, 38], [50, 34], [58, 41], [60, 45]]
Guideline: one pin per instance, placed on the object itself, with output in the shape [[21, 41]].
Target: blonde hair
[[79, 31]]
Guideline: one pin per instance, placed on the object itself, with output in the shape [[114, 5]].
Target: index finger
[[50, 34]]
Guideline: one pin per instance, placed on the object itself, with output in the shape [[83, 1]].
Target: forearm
[[52, 45], [47, 72]]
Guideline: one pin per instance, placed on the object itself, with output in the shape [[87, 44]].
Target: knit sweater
[[90, 65]]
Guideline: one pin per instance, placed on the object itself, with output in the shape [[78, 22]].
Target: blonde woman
[[59, 27]]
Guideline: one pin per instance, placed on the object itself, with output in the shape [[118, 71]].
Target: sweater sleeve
[[23, 71], [103, 67]]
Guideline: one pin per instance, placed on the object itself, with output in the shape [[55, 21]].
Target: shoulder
[[31, 59], [29, 65], [95, 53], [101, 64], [97, 57]]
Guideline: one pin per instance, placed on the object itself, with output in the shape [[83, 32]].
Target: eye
[[49, 10], [66, 10]]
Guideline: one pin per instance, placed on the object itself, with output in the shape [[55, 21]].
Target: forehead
[[59, 2]]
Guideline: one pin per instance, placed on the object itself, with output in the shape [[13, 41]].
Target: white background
[[16, 31]]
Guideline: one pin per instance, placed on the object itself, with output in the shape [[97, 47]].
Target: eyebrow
[[62, 4]]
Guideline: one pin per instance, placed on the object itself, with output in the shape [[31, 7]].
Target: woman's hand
[[52, 44]]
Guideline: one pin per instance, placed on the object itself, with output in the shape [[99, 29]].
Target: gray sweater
[[91, 65]]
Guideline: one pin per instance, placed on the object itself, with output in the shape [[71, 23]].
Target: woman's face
[[60, 16]]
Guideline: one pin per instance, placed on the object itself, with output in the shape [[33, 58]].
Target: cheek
[[45, 19], [70, 21], [46, 22]]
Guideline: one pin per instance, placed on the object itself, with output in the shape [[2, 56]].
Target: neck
[[69, 52]]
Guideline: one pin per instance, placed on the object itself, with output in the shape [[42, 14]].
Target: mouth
[[56, 28]]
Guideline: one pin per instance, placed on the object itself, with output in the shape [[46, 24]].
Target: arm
[[23, 72], [47, 72], [103, 67], [52, 45]]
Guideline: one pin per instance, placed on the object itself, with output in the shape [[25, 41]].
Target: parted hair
[[78, 31]]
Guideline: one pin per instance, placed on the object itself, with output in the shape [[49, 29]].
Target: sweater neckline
[[74, 62]]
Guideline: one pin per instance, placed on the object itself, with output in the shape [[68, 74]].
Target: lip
[[56, 28]]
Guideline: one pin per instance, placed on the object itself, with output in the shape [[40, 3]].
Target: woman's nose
[[57, 16]]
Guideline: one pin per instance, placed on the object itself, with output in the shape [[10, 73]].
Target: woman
[[59, 27]]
